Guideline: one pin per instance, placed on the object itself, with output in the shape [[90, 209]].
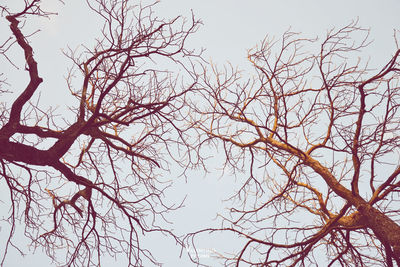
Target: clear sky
[[231, 27]]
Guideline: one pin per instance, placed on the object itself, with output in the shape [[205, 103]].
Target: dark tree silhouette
[[319, 134], [89, 183]]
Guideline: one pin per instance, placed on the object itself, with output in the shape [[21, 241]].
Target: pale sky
[[231, 27]]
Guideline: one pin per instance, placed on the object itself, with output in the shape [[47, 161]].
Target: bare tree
[[90, 183], [319, 134]]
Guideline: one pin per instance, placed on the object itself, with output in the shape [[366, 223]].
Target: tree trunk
[[385, 229]]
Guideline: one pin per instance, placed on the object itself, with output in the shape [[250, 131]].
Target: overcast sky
[[230, 28]]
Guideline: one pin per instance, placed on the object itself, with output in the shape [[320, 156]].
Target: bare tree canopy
[[319, 133], [89, 183], [313, 139]]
